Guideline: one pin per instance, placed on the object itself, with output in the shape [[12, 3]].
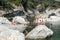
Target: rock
[[29, 11], [20, 23], [2, 12], [53, 11], [19, 19], [19, 13], [15, 13], [39, 7], [11, 35], [33, 12], [3, 28], [41, 31], [18, 27], [4, 20], [54, 20], [36, 12], [57, 12], [21, 26], [50, 11]]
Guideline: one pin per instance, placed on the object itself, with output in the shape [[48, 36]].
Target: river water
[[56, 30]]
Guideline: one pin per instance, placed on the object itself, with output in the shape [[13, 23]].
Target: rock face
[[41, 31], [54, 20], [2, 12], [50, 11], [53, 11], [57, 12], [33, 12], [9, 34], [21, 21], [4, 20]]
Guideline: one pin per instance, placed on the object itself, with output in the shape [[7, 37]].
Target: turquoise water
[[56, 30]]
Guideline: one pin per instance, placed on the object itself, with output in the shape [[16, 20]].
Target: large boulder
[[41, 31], [54, 20], [21, 23], [19, 19], [4, 20], [9, 34], [2, 12]]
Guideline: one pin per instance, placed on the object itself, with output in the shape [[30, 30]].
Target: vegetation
[[28, 3]]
